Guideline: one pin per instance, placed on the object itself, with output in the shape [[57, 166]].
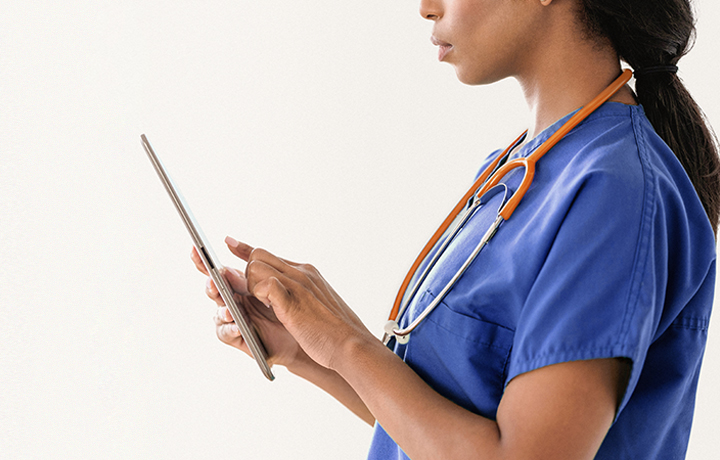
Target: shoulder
[[615, 244], [631, 187], [617, 153], [622, 145]]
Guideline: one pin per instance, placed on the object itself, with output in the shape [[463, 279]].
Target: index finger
[[244, 251], [241, 250]]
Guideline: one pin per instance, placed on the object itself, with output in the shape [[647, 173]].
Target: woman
[[579, 330]]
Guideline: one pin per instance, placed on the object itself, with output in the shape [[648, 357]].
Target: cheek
[[470, 18], [494, 44], [484, 26], [484, 57]]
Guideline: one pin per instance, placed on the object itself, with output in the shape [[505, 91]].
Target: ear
[[545, 2]]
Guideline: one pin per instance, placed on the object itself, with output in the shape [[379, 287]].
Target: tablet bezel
[[212, 263]]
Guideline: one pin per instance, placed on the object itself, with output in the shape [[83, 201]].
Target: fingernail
[[230, 241], [265, 301], [261, 293]]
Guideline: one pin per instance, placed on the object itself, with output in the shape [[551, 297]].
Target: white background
[[324, 131]]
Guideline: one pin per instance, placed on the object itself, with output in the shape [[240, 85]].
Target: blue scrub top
[[610, 254]]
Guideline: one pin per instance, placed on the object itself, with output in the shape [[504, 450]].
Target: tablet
[[212, 264]]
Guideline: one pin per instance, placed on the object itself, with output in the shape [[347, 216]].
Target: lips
[[444, 47]]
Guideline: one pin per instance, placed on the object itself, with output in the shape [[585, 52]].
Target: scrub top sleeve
[[595, 295]]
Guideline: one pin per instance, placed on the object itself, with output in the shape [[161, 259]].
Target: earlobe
[[545, 2]]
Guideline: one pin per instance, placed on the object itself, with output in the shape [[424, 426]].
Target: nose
[[430, 9]]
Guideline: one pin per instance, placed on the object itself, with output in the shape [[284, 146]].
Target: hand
[[280, 345], [311, 311]]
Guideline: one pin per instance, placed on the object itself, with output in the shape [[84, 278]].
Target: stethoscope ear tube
[[395, 311], [486, 184], [391, 327]]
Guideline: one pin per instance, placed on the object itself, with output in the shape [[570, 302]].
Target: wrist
[[303, 366], [357, 352]]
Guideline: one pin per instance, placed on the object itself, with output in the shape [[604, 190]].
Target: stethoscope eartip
[[390, 327]]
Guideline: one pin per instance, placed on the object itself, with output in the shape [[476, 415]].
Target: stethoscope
[[479, 194]]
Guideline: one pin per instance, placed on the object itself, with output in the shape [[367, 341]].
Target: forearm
[[421, 421], [332, 383], [559, 411]]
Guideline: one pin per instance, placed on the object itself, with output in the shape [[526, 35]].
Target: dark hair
[[654, 33]]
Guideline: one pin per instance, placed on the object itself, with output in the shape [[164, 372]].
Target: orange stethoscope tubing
[[485, 184]]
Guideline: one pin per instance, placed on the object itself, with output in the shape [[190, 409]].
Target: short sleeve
[[594, 296]]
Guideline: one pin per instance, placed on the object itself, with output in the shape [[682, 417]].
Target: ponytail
[[652, 36]]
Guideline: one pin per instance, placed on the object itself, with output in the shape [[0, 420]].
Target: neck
[[559, 82]]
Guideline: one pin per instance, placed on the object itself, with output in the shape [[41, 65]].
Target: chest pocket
[[462, 357]]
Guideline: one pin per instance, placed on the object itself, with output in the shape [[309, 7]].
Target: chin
[[473, 80], [476, 78]]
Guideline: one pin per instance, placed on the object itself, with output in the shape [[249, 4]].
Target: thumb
[[236, 279]]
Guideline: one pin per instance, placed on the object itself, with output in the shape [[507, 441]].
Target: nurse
[[579, 332]]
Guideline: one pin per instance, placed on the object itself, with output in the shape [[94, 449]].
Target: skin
[[555, 412], [539, 43]]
